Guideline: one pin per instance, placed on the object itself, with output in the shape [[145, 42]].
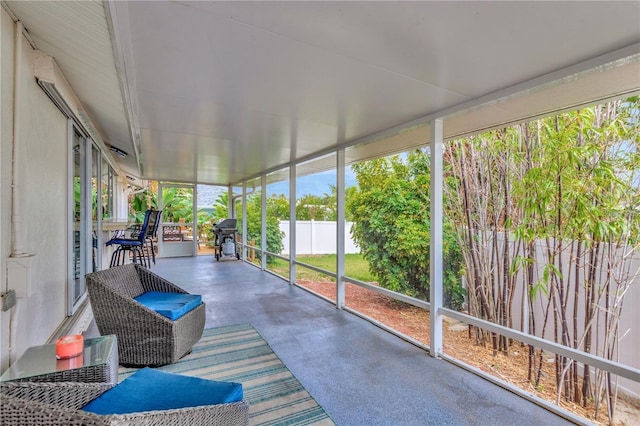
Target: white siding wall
[[43, 171]]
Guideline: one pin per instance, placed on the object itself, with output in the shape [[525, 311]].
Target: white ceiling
[[215, 92]]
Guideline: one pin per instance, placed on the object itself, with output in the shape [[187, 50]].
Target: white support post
[[245, 241], [195, 231], [436, 274], [231, 209], [292, 224], [263, 211], [340, 229]]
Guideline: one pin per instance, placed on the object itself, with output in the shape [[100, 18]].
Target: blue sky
[[316, 184]]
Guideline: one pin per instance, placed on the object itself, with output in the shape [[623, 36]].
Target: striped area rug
[[238, 353]]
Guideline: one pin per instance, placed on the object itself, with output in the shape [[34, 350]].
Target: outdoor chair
[[148, 397], [152, 234], [155, 321], [133, 245]]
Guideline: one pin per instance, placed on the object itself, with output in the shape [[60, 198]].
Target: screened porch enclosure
[[521, 323], [358, 373], [263, 99]]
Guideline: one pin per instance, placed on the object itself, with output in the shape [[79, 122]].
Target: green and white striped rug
[[238, 353]]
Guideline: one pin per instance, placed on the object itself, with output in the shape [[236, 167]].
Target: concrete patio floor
[[359, 373]]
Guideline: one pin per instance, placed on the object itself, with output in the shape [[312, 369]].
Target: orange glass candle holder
[[69, 346], [69, 363]]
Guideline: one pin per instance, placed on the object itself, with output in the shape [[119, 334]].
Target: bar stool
[[131, 245], [154, 222]]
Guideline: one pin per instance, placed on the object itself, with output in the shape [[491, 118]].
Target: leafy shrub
[[392, 211]]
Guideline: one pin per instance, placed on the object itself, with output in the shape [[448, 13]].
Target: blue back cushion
[[170, 305], [151, 390]]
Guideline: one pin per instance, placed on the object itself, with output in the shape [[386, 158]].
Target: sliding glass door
[[90, 200], [79, 219]]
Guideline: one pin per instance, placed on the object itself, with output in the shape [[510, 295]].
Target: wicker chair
[[28, 403], [144, 336]]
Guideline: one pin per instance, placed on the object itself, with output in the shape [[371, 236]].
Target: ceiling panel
[[319, 74], [220, 91], [450, 38]]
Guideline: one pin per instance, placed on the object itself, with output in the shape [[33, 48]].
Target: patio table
[[97, 364]]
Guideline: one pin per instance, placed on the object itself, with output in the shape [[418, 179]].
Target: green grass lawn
[[355, 267]]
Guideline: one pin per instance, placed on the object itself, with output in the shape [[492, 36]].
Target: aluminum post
[[340, 228], [292, 223], [436, 238], [263, 211]]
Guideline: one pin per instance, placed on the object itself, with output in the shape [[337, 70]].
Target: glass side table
[[97, 364]]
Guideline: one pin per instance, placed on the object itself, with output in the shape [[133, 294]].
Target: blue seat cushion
[[124, 242], [170, 305], [151, 390]]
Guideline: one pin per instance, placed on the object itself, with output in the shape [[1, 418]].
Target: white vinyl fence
[[628, 351], [317, 237]]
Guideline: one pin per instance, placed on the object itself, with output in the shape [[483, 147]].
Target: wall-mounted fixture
[[50, 90], [50, 78], [117, 151], [55, 85]]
